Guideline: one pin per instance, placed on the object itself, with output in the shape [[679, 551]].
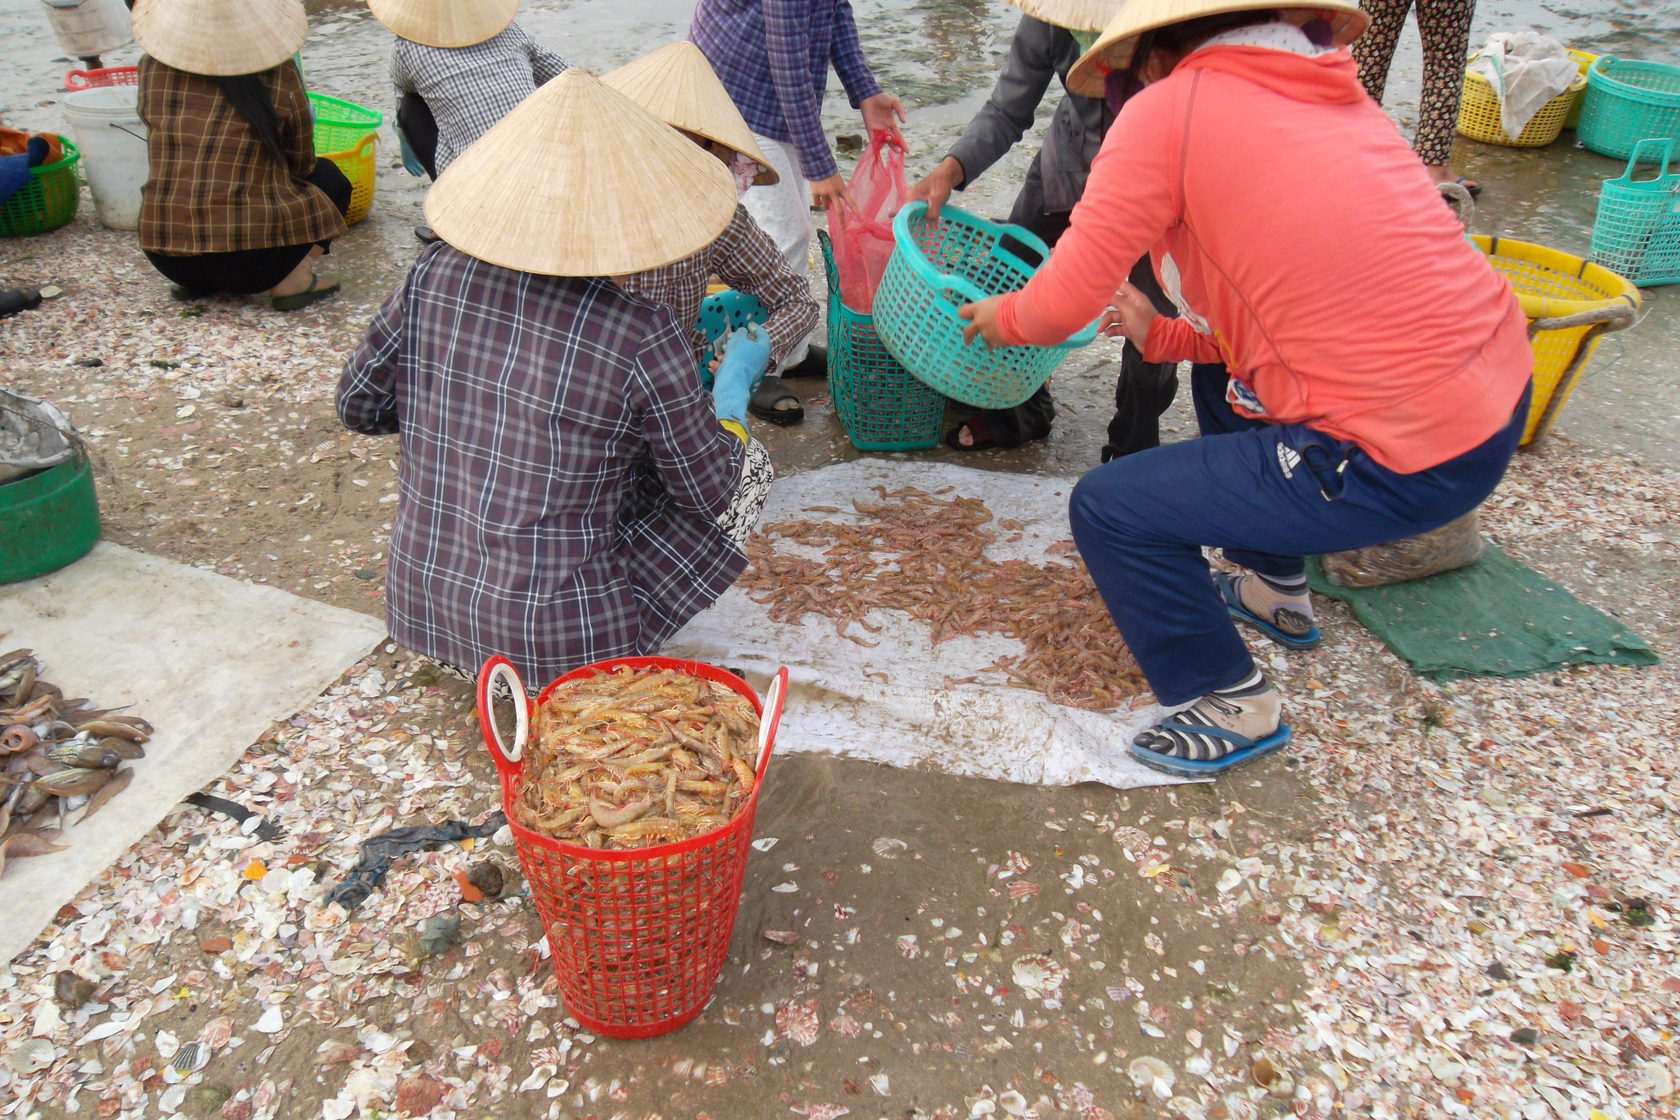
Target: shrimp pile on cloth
[[925, 555], [635, 756]]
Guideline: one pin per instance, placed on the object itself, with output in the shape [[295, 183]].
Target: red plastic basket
[[107, 76], [638, 937]]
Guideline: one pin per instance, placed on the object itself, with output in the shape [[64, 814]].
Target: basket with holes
[[48, 200], [1570, 303], [936, 267], [347, 134], [1478, 114], [639, 935], [1627, 102], [1636, 233], [104, 76], [880, 405]]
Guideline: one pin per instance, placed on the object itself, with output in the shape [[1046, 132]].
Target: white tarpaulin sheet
[[209, 661], [889, 703]]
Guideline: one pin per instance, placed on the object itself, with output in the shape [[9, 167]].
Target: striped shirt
[[561, 470], [212, 186], [747, 260], [468, 89], [773, 58]]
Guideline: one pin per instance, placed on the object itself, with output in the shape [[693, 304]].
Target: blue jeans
[[1268, 495]]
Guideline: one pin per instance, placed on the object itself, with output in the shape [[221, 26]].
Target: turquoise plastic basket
[[882, 407], [720, 313], [1637, 232], [935, 268], [1627, 102]]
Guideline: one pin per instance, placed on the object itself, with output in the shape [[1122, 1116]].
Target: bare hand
[[982, 321], [1130, 314], [884, 113], [825, 193], [936, 186]]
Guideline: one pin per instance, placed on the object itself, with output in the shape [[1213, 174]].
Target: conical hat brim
[[579, 180], [445, 23], [1075, 15], [220, 38], [676, 84], [1113, 48]]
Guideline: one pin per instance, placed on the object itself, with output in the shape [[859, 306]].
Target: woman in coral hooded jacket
[[1378, 367]]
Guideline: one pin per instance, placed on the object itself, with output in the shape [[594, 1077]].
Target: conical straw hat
[[220, 38], [1075, 15], [579, 180], [676, 84], [445, 23], [1113, 48]]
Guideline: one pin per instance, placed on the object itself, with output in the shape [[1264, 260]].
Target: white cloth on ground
[[1526, 69], [783, 210]]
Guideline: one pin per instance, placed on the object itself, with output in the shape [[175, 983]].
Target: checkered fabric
[[468, 89], [773, 58], [562, 474]]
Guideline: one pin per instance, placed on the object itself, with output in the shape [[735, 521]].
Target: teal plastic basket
[[1637, 232], [935, 268], [882, 407], [720, 313], [1627, 102]]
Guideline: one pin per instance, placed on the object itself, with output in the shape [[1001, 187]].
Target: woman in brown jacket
[[236, 201]]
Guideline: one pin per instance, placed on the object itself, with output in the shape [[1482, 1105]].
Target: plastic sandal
[[770, 392], [1227, 586], [304, 298], [1244, 751]]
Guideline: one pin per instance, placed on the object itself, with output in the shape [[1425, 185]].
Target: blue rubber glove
[[745, 354], [411, 162]]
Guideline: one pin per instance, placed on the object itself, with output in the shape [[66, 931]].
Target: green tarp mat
[[1495, 618]]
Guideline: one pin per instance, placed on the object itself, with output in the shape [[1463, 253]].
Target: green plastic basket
[[935, 268], [48, 200], [51, 518], [1627, 102], [1637, 231], [340, 125], [881, 405], [721, 312]]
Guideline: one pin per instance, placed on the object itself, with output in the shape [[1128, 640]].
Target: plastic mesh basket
[[1582, 61], [1637, 231], [638, 936], [935, 268], [48, 200], [358, 167], [882, 407], [1478, 114], [106, 76], [340, 125], [721, 312], [1570, 303], [1627, 102]]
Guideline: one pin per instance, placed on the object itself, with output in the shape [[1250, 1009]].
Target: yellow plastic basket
[[1582, 61], [357, 165], [1478, 114], [1570, 304]]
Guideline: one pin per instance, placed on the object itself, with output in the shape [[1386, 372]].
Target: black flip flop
[[770, 392]]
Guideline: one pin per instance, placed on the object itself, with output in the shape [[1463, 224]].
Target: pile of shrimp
[[630, 757], [925, 555]]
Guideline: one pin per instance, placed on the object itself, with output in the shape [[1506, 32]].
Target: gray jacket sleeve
[[1007, 115]]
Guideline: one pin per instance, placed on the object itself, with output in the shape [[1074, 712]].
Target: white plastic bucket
[[113, 144], [89, 28]]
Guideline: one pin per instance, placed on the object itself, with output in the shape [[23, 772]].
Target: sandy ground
[[1442, 901]]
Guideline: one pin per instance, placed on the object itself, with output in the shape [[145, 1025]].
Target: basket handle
[[1663, 144], [500, 668], [770, 720], [1615, 317], [961, 286]]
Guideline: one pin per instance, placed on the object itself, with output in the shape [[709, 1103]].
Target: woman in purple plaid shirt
[[773, 58], [567, 492]]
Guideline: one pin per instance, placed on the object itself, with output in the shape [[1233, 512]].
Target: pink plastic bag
[[863, 238]]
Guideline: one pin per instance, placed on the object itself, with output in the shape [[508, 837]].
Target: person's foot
[[815, 364], [1285, 603], [773, 401], [1443, 174], [425, 234], [1224, 729], [315, 289]]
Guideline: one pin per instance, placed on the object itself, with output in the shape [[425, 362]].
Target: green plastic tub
[[51, 518]]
